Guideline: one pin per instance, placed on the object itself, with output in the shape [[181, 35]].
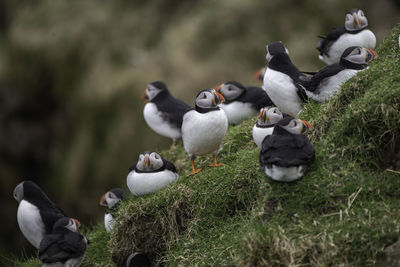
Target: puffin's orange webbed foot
[[215, 164], [194, 170]]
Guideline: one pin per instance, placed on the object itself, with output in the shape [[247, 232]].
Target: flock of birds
[[285, 153]]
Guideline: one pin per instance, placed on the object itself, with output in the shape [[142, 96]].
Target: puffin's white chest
[[150, 182], [238, 111], [260, 133], [329, 86], [203, 133], [285, 174], [282, 91], [109, 222], [365, 38], [157, 122], [30, 222]]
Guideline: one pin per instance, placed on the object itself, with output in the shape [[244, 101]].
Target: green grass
[[344, 211]]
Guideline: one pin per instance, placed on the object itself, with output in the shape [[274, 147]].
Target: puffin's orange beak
[[356, 19], [78, 223], [144, 96], [146, 161], [218, 89], [372, 53], [102, 200], [220, 97], [307, 124], [261, 114], [258, 76]]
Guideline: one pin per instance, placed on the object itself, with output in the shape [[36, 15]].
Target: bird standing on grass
[[287, 154], [268, 118], [150, 174], [111, 200], [281, 80], [326, 82], [64, 246], [36, 213], [241, 102], [204, 127], [163, 113], [353, 33]]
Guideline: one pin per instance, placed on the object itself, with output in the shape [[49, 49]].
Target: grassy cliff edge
[[345, 210]]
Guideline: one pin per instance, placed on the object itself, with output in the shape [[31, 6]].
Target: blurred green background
[[72, 73]]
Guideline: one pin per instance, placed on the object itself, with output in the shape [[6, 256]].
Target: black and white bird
[[111, 200], [242, 102], [268, 118], [281, 80], [286, 154], [204, 127], [326, 82], [138, 259], [353, 33], [36, 213], [64, 246], [150, 174], [163, 112]]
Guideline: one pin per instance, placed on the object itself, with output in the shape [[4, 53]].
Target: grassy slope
[[345, 210]]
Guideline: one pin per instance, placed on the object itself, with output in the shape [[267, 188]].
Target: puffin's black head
[[357, 57], [355, 20], [269, 116], [149, 161], [292, 125], [27, 189], [208, 99], [230, 90], [112, 197], [153, 89], [138, 259], [274, 49], [66, 224]]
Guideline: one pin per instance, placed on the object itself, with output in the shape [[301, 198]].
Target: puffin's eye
[[361, 13], [295, 124], [204, 96], [156, 156]]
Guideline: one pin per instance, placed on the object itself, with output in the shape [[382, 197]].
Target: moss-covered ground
[[344, 211]]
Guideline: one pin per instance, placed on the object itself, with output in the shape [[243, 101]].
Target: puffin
[[204, 127], [281, 80], [326, 82], [241, 102], [150, 174], [36, 213], [64, 246], [287, 154], [264, 126], [138, 259], [163, 112], [111, 200], [353, 33]]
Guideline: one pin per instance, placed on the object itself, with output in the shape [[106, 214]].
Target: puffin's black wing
[[257, 96], [173, 109], [50, 215], [169, 166], [74, 244], [50, 251], [326, 42], [316, 80], [286, 150]]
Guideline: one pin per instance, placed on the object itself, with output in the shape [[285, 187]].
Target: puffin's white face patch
[[230, 91], [206, 99], [152, 91]]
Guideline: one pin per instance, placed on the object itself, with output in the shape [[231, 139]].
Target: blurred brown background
[[72, 73]]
